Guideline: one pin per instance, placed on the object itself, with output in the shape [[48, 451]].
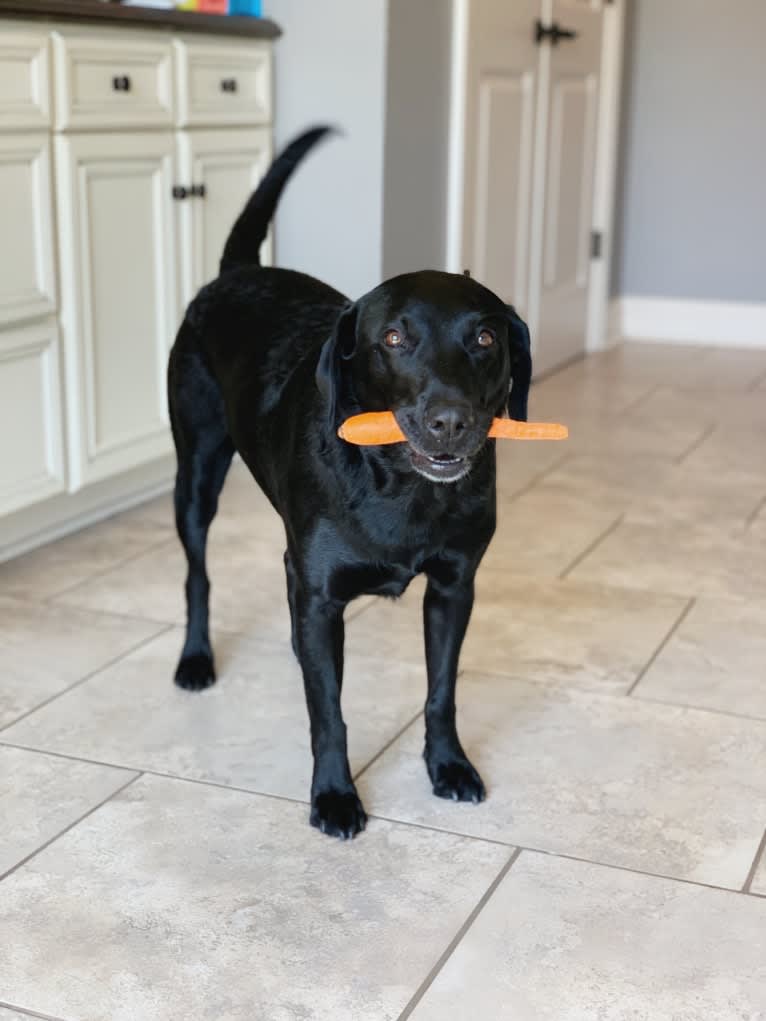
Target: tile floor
[[155, 855]]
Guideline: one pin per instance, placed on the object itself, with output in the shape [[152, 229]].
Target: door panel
[[118, 297], [230, 166], [27, 274], [501, 99], [560, 311]]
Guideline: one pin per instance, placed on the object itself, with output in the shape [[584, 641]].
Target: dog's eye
[[485, 339], [392, 338]]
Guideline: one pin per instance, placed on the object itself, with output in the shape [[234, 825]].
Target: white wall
[[417, 126], [330, 68], [692, 202]]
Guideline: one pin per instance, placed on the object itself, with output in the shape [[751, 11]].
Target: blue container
[[251, 7]]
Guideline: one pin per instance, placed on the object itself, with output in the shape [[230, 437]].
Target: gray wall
[[692, 199], [417, 119], [330, 68]]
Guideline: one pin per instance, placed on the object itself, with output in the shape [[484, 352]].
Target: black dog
[[269, 362]]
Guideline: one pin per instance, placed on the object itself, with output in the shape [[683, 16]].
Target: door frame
[[598, 334]]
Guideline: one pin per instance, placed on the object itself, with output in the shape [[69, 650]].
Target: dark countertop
[[95, 12]]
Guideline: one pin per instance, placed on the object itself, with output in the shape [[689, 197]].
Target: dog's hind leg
[[204, 449]]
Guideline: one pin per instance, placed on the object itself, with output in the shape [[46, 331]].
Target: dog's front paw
[[195, 672], [457, 780], [338, 813]]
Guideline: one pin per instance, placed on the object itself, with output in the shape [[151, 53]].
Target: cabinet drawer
[[222, 83], [24, 79], [31, 454], [107, 81]]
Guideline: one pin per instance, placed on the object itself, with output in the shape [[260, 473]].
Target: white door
[[218, 171], [500, 114], [528, 161], [118, 297], [569, 101]]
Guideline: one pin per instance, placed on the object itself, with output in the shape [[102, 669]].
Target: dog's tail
[[249, 232]]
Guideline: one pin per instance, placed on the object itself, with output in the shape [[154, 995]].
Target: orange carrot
[[376, 428]]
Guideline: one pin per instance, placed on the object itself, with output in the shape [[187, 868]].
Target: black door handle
[[180, 193], [229, 85], [553, 32], [198, 191], [121, 83]]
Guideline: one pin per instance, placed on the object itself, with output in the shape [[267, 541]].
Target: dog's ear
[[521, 366], [338, 348]]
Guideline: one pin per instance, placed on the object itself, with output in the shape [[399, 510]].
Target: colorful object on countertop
[[242, 7], [377, 428]]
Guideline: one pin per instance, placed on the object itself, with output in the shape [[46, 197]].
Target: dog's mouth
[[439, 467]]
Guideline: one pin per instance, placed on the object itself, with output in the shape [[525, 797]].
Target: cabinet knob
[[121, 83], [229, 85], [180, 193], [198, 191]]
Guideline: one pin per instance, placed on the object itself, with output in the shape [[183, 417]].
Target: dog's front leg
[[446, 611], [335, 805]]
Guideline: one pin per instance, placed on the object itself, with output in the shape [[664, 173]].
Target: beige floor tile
[[250, 730], [651, 489], [542, 532], [673, 791], [715, 660], [567, 941], [551, 632], [45, 648], [521, 464], [638, 360], [58, 566], [13, 1015], [177, 901], [672, 406], [554, 398], [596, 432], [40, 796], [247, 578], [729, 450], [683, 558]]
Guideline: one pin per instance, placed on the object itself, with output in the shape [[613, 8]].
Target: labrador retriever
[[268, 362]]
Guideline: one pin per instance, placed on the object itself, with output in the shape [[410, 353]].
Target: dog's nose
[[448, 422]]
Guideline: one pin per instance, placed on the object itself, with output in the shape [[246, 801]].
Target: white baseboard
[[681, 321], [52, 519]]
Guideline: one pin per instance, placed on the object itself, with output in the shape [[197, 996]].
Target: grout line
[[29, 1013], [53, 596], [387, 745], [592, 546], [633, 405], [457, 938], [750, 519], [76, 684], [698, 708], [50, 602], [681, 618], [71, 826], [760, 855], [708, 431]]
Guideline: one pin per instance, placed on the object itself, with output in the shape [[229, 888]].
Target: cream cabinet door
[[31, 454], [219, 170], [27, 276], [118, 297]]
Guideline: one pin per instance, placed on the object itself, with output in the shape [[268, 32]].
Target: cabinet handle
[[198, 191], [180, 193], [229, 85], [121, 83], [553, 32]]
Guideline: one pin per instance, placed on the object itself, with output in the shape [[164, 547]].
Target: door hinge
[[596, 244]]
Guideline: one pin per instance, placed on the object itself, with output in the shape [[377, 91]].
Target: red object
[[213, 6]]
